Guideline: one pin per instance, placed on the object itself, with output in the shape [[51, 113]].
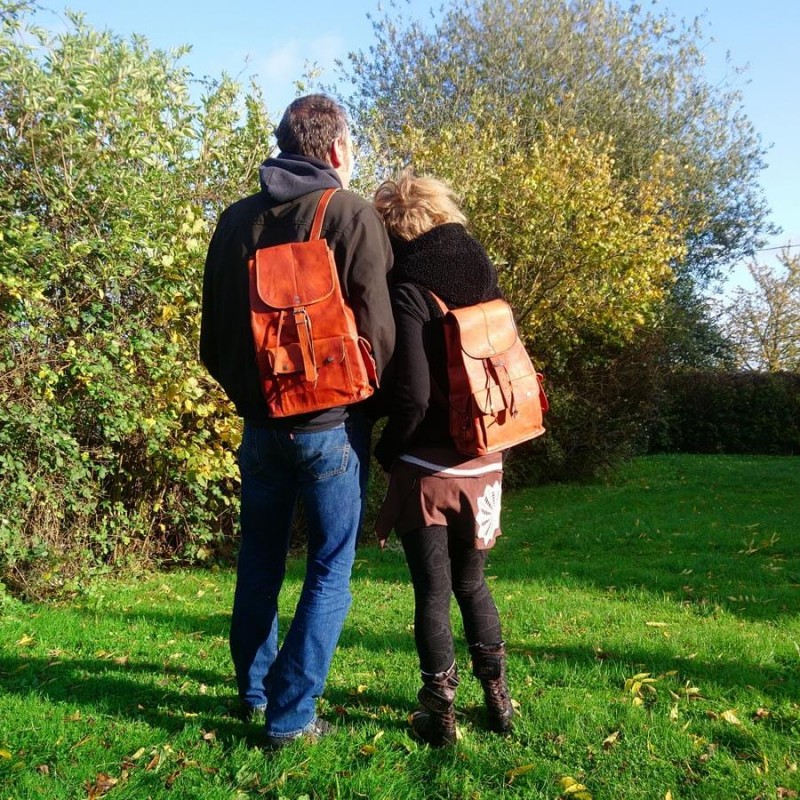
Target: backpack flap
[[290, 277], [281, 284], [500, 373], [486, 329]]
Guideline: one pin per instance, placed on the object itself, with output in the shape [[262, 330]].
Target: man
[[321, 457]]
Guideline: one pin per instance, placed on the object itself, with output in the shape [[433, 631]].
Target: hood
[[287, 177]]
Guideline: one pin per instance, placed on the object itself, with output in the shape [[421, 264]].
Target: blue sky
[[275, 40]]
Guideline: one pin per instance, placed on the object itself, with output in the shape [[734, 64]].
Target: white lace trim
[[487, 519]]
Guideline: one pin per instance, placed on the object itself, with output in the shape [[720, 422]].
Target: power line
[[780, 247]]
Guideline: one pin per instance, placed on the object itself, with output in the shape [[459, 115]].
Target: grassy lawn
[[654, 632]]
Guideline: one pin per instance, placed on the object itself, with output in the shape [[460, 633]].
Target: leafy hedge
[[708, 411], [114, 444]]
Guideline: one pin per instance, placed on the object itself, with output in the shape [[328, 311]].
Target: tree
[[763, 322], [113, 442], [609, 181], [583, 255], [586, 65]]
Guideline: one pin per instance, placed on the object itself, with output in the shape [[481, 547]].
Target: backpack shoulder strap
[[316, 226], [439, 302]]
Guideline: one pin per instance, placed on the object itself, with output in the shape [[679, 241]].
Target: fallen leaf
[[122, 660], [641, 682], [764, 768], [668, 795], [761, 713], [138, 754], [368, 750], [574, 790], [730, 717], [709, 754], [171, 779], [210, 736], [153, 762], [5, 754], [81, 741], [43, 769], [782, 792], [26, 641], [692, 692], [656, 624], [610, 740], [517, 771], [103, 783], [673, 713]]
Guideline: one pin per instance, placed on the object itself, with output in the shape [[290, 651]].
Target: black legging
[[441, 563]]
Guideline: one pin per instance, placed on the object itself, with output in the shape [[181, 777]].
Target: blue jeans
[[328, 470]]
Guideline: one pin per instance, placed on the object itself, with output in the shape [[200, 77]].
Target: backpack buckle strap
[[303, 323], [501, 375]]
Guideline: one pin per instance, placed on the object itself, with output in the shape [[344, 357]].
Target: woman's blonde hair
[[412, 205]]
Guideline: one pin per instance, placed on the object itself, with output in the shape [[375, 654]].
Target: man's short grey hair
[[310, 125]]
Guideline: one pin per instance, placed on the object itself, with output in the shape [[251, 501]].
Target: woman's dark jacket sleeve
[[411, 381]]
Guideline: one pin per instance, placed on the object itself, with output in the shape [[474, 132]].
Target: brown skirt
[[437, 486]]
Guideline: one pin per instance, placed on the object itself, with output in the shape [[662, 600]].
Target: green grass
[[686, 568]]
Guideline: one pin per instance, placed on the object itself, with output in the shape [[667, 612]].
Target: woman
[[443, 505]]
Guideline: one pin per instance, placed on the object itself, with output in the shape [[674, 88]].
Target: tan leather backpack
[[496, 397], [309, 353]]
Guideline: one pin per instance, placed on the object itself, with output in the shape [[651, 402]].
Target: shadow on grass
[[143, 692], [158, 697], [780, 681]]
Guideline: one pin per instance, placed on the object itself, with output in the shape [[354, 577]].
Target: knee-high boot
[[435, 722], [489, 667]]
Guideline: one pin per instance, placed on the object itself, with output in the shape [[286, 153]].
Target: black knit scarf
[[448, 261]]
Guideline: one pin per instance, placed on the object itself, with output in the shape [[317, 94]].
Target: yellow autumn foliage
[[584, 255]]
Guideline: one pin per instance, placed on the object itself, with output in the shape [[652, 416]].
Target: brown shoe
[[489, 667], [435, 722]]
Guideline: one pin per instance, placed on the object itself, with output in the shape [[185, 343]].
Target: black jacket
[[451, 263], [283, 212]]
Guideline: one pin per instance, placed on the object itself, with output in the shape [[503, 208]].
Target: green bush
[[114, 444], [600, 408], [710, 411]]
